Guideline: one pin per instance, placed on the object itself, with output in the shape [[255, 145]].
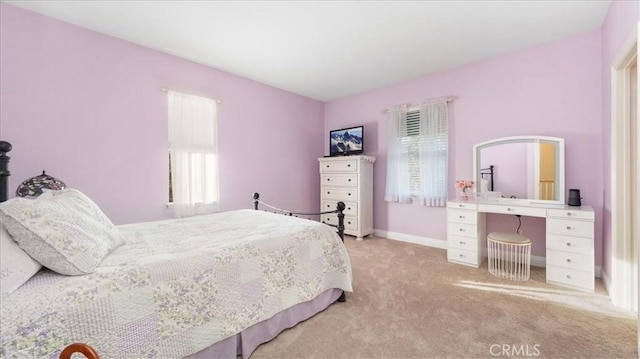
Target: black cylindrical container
[[574, 198]]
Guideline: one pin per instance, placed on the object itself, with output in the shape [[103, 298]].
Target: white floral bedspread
[[177, 287]]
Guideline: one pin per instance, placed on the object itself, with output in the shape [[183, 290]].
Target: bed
[[199, 287]]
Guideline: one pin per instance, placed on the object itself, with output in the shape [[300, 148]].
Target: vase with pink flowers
[[465, 189]]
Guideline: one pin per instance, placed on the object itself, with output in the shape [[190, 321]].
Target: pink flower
[[464, 184]]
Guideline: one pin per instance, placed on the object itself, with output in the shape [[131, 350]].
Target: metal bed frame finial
[[256, 200], [4, 170]]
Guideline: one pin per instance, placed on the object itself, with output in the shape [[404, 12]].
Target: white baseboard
[[429, 242], [606, 280], [536, 261]]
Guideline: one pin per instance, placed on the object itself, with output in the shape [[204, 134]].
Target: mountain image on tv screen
[[345, 141]]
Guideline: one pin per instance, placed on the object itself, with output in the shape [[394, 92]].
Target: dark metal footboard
[[340, 206], [339, 211]]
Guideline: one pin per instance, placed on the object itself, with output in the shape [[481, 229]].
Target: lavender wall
[[553, 89], [88, 108], [621, 22], [511, 172]]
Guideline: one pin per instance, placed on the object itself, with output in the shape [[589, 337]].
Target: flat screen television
[[346, 141]]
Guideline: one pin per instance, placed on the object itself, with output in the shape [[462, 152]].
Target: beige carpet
[[409, 302]]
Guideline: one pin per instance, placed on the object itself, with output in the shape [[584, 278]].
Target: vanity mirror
[[527, 168]]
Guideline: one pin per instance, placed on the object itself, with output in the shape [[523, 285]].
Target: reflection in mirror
[[522, 167]]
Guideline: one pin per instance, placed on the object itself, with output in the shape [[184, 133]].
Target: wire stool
[[509, 256]]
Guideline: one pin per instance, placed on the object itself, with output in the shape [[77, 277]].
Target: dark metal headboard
[[4, 170]]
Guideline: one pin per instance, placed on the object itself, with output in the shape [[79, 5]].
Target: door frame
[[624, 287]]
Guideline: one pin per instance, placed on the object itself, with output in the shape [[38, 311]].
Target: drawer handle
[[568, 244], [461, 229], [568, 228], [349, 165], [568, 276], [568, 260], [348, 208], [509, 209], [568, 214], [462, 217], [461, 205], [328, 192], [349, 194], [463, 256], [349, 222], [327, 166], [461, 242], [349, 179]]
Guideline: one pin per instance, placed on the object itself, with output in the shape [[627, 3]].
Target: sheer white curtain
[[193, 146], [398, 187], [433, 153], [417, 154]]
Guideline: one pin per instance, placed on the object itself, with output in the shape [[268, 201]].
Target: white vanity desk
[[569, 237]]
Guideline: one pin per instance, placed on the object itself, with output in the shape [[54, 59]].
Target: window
[[417, 154], [193, 154]]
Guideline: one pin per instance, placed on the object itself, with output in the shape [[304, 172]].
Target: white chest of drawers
[[348, 179]]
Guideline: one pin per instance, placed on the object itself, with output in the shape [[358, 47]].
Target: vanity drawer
[[340, 180], [339, 194], [581, 245], [507, 209], [461, 205], [339, 166], [578, 279], [463, 256], [570, 214], [570, 260], [461, 229], [350, 208], [349, 221], [462, 216], [569, 227], [470, 244]]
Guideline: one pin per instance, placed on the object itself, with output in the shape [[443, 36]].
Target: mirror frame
[[560, 168]]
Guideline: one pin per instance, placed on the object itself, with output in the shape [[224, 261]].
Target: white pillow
[[16, 267], [64, 230]]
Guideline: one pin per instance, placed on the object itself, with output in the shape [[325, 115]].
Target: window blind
[[411, 144]]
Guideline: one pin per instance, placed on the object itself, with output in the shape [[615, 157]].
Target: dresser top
[[370, 159]]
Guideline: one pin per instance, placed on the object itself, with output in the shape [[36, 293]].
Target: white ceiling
[[331, 49]]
